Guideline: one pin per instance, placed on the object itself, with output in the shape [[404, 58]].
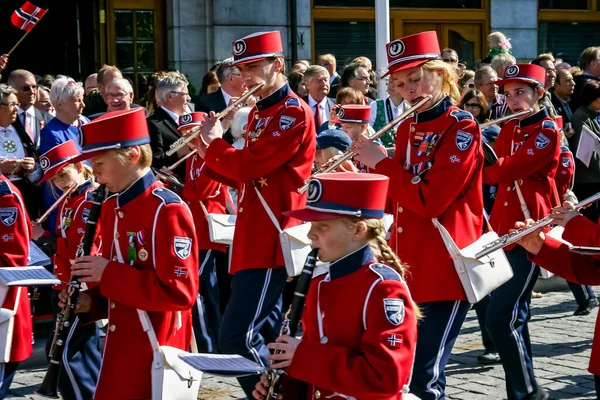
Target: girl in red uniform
[[82, 356], [528, 150], [15, 235], [359, 346], [435, 173]]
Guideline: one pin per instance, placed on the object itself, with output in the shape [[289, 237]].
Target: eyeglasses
[[118, 96], [451, 60], [10, 105], [472, 105], [181, 93], [28, 88], [364, 78]]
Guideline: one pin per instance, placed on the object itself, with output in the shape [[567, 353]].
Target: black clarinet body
[[65, 319], [293, 317]]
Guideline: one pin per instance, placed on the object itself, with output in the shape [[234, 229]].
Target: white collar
[[226, 97], [30, 111], [9, 129], [171, 114], [312, 102]]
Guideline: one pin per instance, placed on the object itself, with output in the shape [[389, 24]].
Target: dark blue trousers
[[252, 317], [437, 333], [7, 373], [582, 293], [80, 363], [506, 321], [206, 313], [481, 311], [597, 384]]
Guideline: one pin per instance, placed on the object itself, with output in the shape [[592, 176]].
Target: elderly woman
[[356, 75], [17, 152], [43, 102], [587, 178], [172, 96]]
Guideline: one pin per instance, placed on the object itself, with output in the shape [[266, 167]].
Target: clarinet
[[293, 316], [65, 319]]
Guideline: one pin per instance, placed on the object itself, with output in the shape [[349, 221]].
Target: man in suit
[[30, 119], [560, 95], [589, 62], [172, 97], [329, 62], [316, 78], [232, 87]]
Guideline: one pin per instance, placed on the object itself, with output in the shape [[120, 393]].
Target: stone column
[[518, 20]]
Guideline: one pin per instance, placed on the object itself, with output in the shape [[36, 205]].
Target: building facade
[[142, 36]]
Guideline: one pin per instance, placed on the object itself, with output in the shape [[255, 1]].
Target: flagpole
[[26, 33]]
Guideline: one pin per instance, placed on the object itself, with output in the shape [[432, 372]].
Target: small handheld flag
[[27, 16]]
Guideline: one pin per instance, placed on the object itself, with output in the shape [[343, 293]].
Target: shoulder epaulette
[[166, 196], [548, 124], [386, 273], [461, 115], [292, 102], [4, 188]]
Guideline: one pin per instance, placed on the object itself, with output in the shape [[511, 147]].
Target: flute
[[193, 133], [349, 154], [506, 118], [170, 168], [66, 194], [517, 235]]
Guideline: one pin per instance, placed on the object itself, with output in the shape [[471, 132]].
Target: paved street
[[561, 345]]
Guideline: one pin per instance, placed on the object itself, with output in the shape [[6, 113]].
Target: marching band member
[[204, 195], [527, 151], [277, 159], [81, 356], [15, 235], [362, 347], [150, 263], [554, 255], [435, 173], [331, 143]]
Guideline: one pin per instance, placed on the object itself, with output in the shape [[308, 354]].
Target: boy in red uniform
[[277, 159], [360, 346], [435, 173], [149, 256], [15, 235]]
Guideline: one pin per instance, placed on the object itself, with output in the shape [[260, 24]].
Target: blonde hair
[[145, 155], [496, 39], [376, 234], [326, 155], [449, 78], [86, 171]]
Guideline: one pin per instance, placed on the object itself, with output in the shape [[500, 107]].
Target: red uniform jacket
[[278, 158], [532, 163], [71, 222], [15, 235], [366, 344], [565, 173], [155, 233], [200, 189], [556, 257], [450, 190]]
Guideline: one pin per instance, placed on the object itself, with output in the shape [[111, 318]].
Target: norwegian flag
[[27, 16]]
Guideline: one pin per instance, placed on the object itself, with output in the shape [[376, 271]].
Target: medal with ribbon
[[141, 239]]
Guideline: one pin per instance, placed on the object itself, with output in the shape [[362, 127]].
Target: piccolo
[[63, 196], [507, 117], [519, 234], [349, 154], [193, 133]]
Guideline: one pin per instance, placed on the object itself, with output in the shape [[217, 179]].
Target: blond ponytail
[[449, 78]]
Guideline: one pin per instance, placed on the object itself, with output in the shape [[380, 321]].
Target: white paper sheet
[[27, 276], [588, 144], [223, 364]]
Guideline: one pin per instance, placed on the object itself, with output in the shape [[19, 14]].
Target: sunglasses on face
[[29, 88], [472, 105]]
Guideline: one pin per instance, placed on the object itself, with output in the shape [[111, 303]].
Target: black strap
[[388, 110]]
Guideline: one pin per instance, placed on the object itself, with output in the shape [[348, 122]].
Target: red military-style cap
[[257, 46], [529, 73], [114, 130], [412, 51], [344, 194], [56, 158], [187, 121], [354, 113]]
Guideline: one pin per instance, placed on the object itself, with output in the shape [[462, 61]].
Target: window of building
[[563, 4], [345, 40], [402, 3], [567, 40], [134, 46]]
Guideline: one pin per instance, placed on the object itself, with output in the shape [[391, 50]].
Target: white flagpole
[[382, 37]]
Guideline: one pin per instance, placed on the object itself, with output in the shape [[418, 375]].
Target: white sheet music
[[27, 276], [223, 364], [588, 144]]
